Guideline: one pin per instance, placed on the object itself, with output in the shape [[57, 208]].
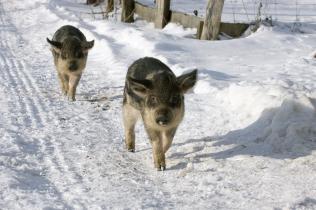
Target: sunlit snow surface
[[248, 139]]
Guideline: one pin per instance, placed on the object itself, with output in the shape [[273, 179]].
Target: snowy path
[[48, 157], [242, 145], [34, 161]]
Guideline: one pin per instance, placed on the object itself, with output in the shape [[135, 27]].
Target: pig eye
[[175, 100], [79, 54]]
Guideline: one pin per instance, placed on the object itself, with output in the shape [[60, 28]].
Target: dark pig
[[153, 92], [70, 51]]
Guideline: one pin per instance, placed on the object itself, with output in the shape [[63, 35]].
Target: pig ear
[[187, 81], [55, 45], [140, 87], [88, 45]]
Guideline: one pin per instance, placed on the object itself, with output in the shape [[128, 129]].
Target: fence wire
[[245, 11], [276, 10]]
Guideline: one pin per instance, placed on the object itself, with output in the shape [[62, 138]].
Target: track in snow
[[43, 129], [63, 155]]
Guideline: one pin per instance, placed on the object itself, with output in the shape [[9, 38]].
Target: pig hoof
[[72, 99], [131, 150], [161, 168]]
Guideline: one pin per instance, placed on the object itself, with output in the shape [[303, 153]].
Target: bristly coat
[[70, 49], [153, 92]]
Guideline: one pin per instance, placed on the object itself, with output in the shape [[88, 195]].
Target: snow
[[248, 139]]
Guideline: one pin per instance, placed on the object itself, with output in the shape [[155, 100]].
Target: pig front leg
[[130, 117], [73, 83], [158, 154], [63, 81]]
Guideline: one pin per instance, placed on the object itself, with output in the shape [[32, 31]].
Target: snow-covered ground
[[248, 140]]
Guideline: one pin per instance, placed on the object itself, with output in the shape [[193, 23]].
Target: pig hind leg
[[130, 115]]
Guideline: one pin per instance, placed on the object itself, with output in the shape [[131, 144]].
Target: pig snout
[[163, 117], [73, 66]]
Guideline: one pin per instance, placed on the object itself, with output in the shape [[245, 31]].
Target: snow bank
[[179, 30], [286, 131], [241, 103], [291, 127], [269, 118]]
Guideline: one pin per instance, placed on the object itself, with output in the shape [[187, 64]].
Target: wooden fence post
[[128, 9], [199, 30], [162, 13], [212, 19]]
